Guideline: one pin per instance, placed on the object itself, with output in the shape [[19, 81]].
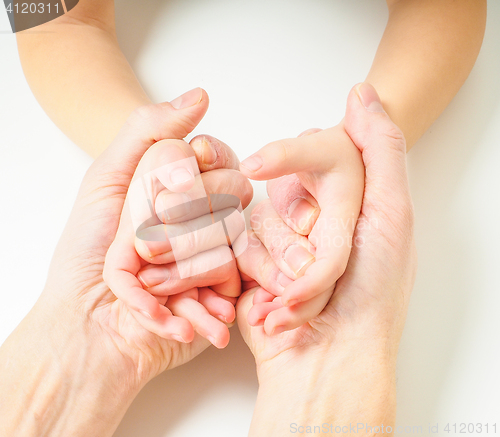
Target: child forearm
[[79, 75], [426, 53]]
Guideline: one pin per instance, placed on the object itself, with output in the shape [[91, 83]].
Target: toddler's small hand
[[315, 192], [170, 261]]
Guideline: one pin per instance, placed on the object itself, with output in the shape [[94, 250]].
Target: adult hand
[[75, 363], [345, 356]]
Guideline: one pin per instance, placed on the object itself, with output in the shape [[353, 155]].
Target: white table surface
[[273, 69]]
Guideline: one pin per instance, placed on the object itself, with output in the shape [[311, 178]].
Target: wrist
[[330, 386], [60, 379]]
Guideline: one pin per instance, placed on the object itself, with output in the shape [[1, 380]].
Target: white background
[[273, 69]]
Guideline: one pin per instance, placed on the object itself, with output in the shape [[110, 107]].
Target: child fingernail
[[297, 257], [170, 206], [292, 302], [178, 338], [180, 175], [300, 213], [253, 163], [154, 276], [212, 340]]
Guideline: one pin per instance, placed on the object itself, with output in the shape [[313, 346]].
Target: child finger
[[254, 261], [215, 268], [293, 203], [291, 252], [288, 318], [212, 153]]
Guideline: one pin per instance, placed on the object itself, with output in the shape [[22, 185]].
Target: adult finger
[[382, 145], [146, 126], [186, 305], [217, 305]]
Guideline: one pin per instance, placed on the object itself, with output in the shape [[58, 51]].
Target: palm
[[353, 300], [90, 231]]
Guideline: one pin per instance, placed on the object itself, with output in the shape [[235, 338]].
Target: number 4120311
[[33, 8], [471, 428]]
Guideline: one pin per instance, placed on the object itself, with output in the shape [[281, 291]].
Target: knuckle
[[395, 138], [258, 214], [142, 113], [282, 150]]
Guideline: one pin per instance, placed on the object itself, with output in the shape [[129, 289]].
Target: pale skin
[[144, 273], [425, 55], [416, 78], [76, 362]]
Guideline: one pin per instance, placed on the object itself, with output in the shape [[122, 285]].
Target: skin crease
[[332, 175], [425, 55], [346, 355], [151, 290], [76, 362], [416, 77]]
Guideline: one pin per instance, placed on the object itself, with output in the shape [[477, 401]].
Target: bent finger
[[291, 252], [293, 203], [212, 153], [186, 305], [288, 318]]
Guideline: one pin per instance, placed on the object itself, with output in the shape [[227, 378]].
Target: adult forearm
[[81, 78], [55, 381], [351, 388], [426, 53]]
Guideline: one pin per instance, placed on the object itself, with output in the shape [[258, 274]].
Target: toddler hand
[[170, 261], [303, 234]]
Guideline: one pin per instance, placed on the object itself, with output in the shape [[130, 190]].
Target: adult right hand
[[348, 352]]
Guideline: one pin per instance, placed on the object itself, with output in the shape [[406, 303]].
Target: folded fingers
[[215, 268]]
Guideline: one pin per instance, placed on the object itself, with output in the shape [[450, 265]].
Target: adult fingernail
[[278, 330], [154, 276], [284, 280], [253, 163], [180, 175], [297, 257], [178, 338], [188, 99], [369, 97], [300, 213], [205, 150]]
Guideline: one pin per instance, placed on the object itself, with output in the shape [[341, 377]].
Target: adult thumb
[[380, 141], [148, 125]]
